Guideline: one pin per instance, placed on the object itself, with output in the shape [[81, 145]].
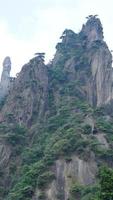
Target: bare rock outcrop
[[93, 29], [77, 170], [100, 59], [5, 78], [88, 60], [28, 95], [100, 85]]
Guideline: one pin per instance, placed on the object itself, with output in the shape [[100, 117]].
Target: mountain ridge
[[56, 121]]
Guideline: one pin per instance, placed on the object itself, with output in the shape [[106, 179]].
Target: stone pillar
[[5, 77]]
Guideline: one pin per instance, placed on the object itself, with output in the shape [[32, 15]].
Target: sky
[[31, 26]]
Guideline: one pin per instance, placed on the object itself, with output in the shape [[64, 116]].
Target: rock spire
[[5, 77]]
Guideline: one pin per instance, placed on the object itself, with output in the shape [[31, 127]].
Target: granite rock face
[[100, 87], [93, 29], [87, 59], [67, 172], [100, 59], [83, 172], [5, 78], [30, 93]]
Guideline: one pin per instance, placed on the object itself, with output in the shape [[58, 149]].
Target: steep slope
[[28, 95], [88, 59], [56, 122]]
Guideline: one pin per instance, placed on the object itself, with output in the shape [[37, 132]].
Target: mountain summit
[[93, 29]]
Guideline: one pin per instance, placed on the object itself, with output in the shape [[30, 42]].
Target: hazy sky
[[30, 26]]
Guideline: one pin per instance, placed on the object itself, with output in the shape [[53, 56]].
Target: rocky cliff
[[30, 91], [56, 125], [87, 53]]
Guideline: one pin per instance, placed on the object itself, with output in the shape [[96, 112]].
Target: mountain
[[56, 121]]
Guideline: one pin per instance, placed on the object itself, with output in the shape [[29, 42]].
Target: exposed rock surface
[[77, 170], [66, 172], [103, 142], [93, 29], [90, 61], [5, 78], [100, 88], [29, 91], [4, 154]]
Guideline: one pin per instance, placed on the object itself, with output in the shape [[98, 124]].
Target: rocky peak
[[93, 29], [85, 56], [5, 77], [69, 41], [7, 64], [28, 93], [6, 69], [68, 36]]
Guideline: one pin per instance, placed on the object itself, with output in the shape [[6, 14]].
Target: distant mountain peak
[[93, 28]]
